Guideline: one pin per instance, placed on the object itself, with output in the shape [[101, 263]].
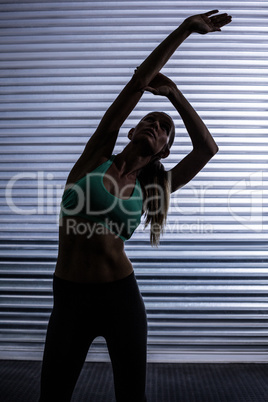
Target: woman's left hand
[[207, 22], [161, 85]]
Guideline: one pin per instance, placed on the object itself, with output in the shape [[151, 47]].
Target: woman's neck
[[130, 161]]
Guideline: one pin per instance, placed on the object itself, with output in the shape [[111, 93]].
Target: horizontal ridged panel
[[62, 64]]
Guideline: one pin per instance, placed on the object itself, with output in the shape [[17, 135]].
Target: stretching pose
[[94, 286]]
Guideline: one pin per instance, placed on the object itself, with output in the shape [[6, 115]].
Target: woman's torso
[[88, 251]]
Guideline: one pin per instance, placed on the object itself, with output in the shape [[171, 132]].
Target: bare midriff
[[89, 252]]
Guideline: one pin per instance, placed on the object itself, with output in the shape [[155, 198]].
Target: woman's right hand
[[161, 85], [204, 23]]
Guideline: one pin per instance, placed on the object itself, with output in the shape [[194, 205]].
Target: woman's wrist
[[186, 26], [174, 94]]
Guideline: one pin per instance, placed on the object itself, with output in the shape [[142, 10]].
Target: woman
[[95, 290]]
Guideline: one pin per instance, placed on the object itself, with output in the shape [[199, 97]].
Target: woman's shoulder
[[78, 173]]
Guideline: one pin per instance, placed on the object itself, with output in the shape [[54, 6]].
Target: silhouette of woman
[[94, 286]]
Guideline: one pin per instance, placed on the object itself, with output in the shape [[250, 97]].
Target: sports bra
[[89, 199]]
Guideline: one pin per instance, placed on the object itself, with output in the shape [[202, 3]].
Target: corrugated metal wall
[[62, 64]]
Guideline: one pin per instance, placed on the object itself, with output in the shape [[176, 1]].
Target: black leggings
[[81, 312]]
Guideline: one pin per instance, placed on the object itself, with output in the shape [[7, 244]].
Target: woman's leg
[[67, 342], [126, 339]]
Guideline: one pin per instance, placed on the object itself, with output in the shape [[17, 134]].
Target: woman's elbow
[[215, 149], [211, 150], [212, 147]]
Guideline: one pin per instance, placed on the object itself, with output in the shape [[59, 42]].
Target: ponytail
[[156, 191]]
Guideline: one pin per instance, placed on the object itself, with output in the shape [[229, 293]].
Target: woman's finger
[[150, 89], [220, 22], [223, 22], [219, 17], [211, 12]]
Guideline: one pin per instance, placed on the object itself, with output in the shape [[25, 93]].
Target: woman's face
[[154, 129]]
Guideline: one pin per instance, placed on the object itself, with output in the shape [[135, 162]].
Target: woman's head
[[158, 130], [166, 122]]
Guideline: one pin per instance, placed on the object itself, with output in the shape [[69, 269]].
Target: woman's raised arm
[[106, 134], [204, 146], [103, 140], [200, 23]]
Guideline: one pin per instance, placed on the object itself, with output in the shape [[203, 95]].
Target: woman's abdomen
[[90, 253]]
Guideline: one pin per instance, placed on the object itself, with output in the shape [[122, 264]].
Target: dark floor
[[165, 382]]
